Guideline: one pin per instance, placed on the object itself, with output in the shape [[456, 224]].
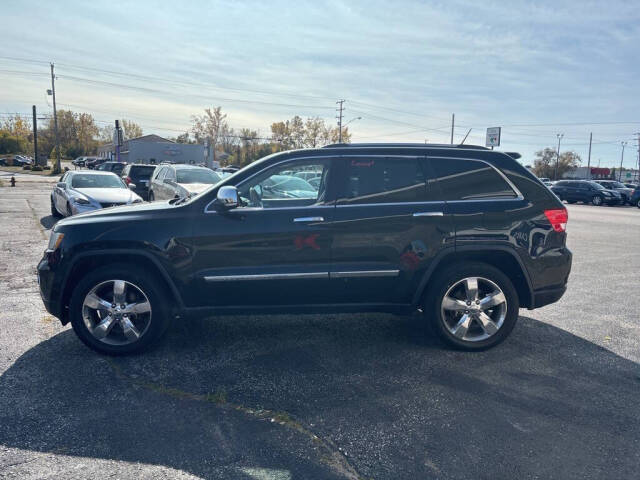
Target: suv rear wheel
[[473, 306], [118, 310]]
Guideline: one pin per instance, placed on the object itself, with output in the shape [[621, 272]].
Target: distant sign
[[493, 136]]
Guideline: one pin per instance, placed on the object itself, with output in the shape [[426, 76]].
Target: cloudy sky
[[534, 68]]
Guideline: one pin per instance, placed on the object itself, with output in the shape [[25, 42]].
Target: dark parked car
[[137, 176], [585, 191], [624, 191], [635, 197], [93, 162], [114, 167], [465, 235], [176, 181]]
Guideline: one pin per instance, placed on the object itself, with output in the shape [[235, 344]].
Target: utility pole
[[621, 160], [116, 139], [638, 176], [589, 159], [453, 125], [339, 117], [57, 168], [35, 138], [555, 175]]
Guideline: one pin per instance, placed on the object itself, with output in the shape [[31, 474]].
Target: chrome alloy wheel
[[474, 309], [116, 312]]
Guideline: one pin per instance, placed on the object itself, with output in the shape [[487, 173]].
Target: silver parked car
[[83, 191], [180, 181]]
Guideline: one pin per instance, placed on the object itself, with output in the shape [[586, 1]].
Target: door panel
[[388, 228], [275, 250]]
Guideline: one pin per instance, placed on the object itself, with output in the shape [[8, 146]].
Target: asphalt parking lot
[[327, 396]]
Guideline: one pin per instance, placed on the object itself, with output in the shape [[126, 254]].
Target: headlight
[[81, 201], [54, 241], [606, 194]]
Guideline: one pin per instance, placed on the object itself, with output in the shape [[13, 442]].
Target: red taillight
[[127, 180], [557, 218]]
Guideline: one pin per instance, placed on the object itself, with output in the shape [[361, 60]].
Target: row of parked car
[[595, 192], [118, 183], [16, 161]]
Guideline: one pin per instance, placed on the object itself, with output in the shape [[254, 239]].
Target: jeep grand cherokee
[[462, 234]]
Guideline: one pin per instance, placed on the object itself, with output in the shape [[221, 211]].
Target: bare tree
[[209, 126]]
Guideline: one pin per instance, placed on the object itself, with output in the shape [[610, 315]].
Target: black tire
[[155, 292], [597, 200], [151, 196], [54, 210], [437, 289], [69, 211]]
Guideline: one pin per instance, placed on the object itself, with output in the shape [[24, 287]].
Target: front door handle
[[428, 214], [308, 219]]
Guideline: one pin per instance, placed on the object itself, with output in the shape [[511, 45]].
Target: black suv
[[138, 177], [463, 234]]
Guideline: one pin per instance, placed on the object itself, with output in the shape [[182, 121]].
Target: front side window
[[282, 186], [462, 179], [383, 180]]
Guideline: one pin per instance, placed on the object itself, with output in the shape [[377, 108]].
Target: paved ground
[[334, 396]]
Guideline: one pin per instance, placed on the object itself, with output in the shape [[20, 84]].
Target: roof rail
[[422, 145]]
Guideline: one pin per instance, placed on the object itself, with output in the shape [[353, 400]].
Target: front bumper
[[49, 286]]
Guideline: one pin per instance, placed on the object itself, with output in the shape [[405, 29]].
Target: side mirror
[[227, 196], [132, 186], [61, 185]]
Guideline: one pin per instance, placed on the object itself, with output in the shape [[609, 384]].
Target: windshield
[[197, 176], [615, 185], [597, 186], [87, 180]]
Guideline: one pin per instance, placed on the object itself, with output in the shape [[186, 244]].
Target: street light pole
[[621, 160], [555, 175]]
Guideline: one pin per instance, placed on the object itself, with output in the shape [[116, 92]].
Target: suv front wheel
[[473, 306], [118, 310]]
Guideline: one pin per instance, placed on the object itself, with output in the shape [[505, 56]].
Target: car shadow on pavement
[[338, 396], [48, 222]]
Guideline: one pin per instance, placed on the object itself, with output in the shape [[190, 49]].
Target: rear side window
[[460, 179], [383, 180]]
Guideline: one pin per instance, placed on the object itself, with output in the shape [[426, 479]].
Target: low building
[[154, 149], [597, 173]]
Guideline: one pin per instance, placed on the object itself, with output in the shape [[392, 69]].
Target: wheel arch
[[92, 260], [504, 259]]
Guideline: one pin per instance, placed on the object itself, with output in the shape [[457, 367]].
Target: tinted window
[[469, 180], [383, 180], [141, 172]]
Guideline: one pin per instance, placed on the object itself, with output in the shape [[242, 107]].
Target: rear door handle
[[308, 219], [428, 214]]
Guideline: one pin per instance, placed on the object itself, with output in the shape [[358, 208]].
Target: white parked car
[[84, 191]]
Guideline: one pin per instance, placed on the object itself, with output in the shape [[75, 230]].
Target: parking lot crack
[[332, 455]]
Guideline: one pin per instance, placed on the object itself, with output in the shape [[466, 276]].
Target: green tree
[[544, 164]]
